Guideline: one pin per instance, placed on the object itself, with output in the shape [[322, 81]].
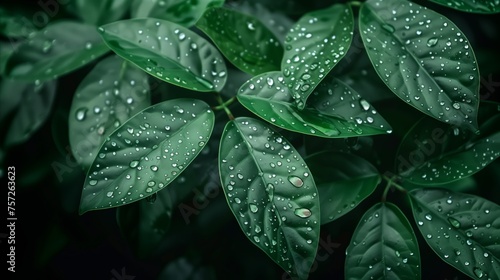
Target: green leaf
[[6, 50], [462, 229], [343, 181], [271, 193], [168, 51], [145, 222], [334, 110], [146, 153], [108, 96], [472, 6], [434, 153], [13, 25], [423, 58], [182, 12], [24, 108], [98, 12], [383, 246], [58, 49], [243, 40], [314, 45]]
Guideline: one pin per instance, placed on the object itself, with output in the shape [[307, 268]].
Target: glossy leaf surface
[[343, 181], [183, 12], [434, 153], [59, 48], [108, 96], [472, 6], [314, 45], [423, 58], [167, 51], [462, 229], [146, 153], [271, 193], [334, 110], [383, 246], [98, 12], [243, 40]]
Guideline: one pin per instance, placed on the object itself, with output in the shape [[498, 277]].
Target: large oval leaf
[[383, 246], [434, 153], [109, 95], [423, 58], [271, 193], [343, 181], [463, 230], [335, 110], [472, 6], [183, 12], [243, 40], [24, 108], [314, 45], [146, 153], [167, 51], [58, 49]]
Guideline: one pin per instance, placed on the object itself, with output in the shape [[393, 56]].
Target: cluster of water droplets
[[104, 100], [269, 187], [148, 152], [424, 58], [171, 53], [313, 46], [461, 228]]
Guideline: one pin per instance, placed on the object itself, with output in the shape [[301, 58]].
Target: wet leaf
[[314, 45], [334, 110], [146, 153], [271, 193], [343, 181], [423, 58], [434, 153], [98, 12], [462, 229], [24, 108], [383, 246], [182, 12], [472, 6], [145, 222], [108, 96], [168, 51], [243, 40], [58, 49]]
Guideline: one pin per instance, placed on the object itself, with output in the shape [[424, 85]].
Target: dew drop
[[454, 222], [432, 42], [134, 164], [154, 168], [109, 194], [296, 181], [364, 104], [428, 217], [93, 182], [478, 272], [80, 114], [389, 28], [149, 190], [302, 212], [253, 208]]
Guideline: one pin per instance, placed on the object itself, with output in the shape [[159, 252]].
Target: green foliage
[[191, 118]]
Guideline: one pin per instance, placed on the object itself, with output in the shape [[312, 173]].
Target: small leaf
[[383, 246], [24, 108], [58, 49], [343, 181], [243, 40], [423, 58], [472, 6], [168, 51], [145, 222], [108, 96], [271, 193], [462, 229], [182, 12], [98, 12], [335, 110], [314, 45], [146, 153], [434, 153]]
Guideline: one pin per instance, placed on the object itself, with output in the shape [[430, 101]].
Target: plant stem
[[223, 105], [391, 183]]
